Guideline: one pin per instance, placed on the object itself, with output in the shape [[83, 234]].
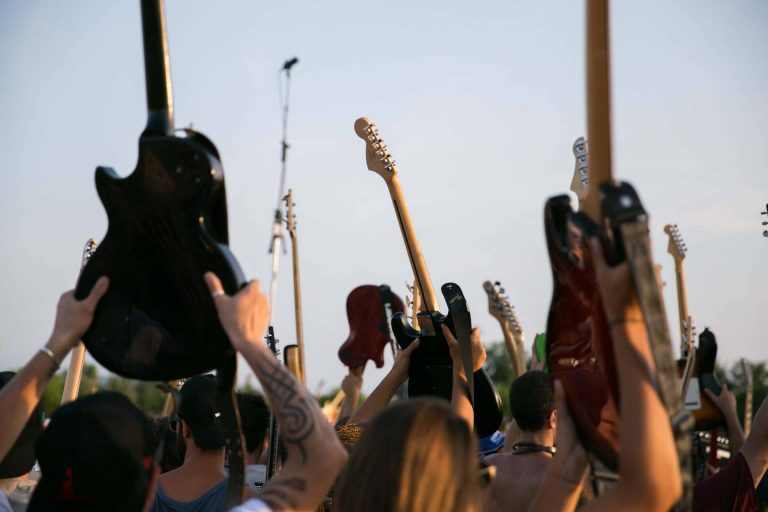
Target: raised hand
[[244, 316], [478, 350], [403, 361], [74, 317]]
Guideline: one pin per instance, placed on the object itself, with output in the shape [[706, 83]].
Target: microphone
[[290, 63]]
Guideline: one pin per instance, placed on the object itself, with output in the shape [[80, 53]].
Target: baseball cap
[[21, 457], [200, 410], [97, 453]]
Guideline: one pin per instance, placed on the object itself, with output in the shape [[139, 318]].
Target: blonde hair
[[415, 455]]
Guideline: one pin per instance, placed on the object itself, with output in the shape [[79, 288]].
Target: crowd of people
[[100, 452]]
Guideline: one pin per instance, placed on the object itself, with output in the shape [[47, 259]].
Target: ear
[[185, 431], [552, 421]]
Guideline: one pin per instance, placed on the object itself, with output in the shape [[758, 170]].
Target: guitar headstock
[[377, 156], [580, 181], [290, 215], [272, 341], [415, 303], [676, 247], [88, 250], [500, 308]]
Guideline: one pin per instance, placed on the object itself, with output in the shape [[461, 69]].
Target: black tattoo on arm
[[278, 493], [291, 404]]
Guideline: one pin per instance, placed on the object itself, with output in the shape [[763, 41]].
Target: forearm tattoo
[[280, 494], [292, 406]]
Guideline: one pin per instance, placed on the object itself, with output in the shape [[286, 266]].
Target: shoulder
[[252, 505]]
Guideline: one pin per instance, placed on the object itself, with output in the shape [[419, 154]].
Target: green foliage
[[499, 369], [145, 395], [736, 380]]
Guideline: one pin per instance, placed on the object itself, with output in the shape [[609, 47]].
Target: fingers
[[449, 337], [357, 371], [597, 252], [97, 292], [410, 348], [213, 282], [710, 394]]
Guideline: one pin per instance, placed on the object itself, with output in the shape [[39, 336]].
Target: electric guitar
[[514, 339], [291, 224], [694, 378], [430, 369], [167, 227], [76, 362], [579, 346], [370, 310], [274, 428]]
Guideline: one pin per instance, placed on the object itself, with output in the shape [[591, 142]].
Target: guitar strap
[[230, 420], [637, 248], [462, 326], [386, 325]]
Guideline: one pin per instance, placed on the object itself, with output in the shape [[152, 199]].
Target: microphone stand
[[277, 225]]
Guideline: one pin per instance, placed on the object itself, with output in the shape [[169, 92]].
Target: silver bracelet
[[49, 353]]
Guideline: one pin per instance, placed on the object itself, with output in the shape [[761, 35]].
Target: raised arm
[[21, 395], [383, 393], [460, 392], [755, 447], [649, 469], [314, 455], [351, 386], [726, 402]]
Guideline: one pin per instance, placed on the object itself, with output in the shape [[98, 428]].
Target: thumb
[[449, 337], [213, 282], [97, 292], [410, 348]]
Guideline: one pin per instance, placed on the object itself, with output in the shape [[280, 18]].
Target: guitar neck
[[297, 304], [598, 105], [682, 305], [412, 246], [157, 69], [514, 350]]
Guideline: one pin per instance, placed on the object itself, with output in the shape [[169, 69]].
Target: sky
[[479, 103]]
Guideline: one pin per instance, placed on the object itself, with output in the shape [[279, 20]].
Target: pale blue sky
[[479, 103]]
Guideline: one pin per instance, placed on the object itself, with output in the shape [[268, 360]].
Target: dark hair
[[415, 455], [173, 447], [198, 407], [532, 400], [254, 418], [97, 453]]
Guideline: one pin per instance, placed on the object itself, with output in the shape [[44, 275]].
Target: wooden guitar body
[[431, 367], [167, 227], [579, 349], [369, 327]]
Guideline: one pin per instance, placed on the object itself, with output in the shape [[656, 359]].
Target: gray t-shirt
[[213, 500]]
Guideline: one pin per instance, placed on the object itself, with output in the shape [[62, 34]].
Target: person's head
[[97, 453], [254, 418], [532, 401], [415, 455], [200, 415], [20, 460]]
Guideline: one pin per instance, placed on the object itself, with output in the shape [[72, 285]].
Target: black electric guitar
[[430, 371], [274, 430], [167, 227]]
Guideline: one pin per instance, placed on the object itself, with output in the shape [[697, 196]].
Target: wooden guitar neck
[[380, 161], [291, 217]]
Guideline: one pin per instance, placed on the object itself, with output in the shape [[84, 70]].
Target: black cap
[[200, 410], [97, 453], [21, 458]]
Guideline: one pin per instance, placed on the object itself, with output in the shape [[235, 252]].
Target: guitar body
[[708, 416], [579, 349], [369, 327], [430, 370], [167, 227]]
